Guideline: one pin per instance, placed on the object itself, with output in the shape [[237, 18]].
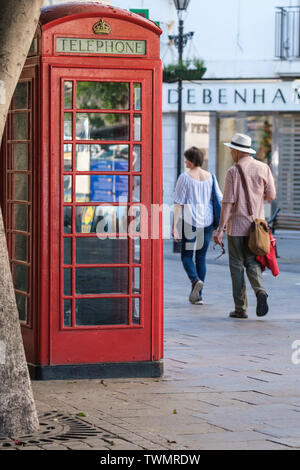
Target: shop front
[[267, 110]]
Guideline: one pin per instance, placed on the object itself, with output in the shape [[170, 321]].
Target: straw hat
[[241, 142]]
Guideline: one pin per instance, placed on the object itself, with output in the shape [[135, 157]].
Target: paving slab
[[228, 384]]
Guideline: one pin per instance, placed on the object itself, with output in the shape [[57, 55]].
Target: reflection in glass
[[101, 219], [136, 311], [20, 187], [85, 219], [20, 213], [136, 289], [102, 95], [68, 157], [137, 120], [19, 157], [111, 219], [67, 219], [101, 281], [135, 223], [68, 126], [67, 250], [67, 281], [101, 157], [101, 188], [137, 96], [106, 251], [33, 47], [20, 247], [22, 306], [136, 250], [68, 95], [136, 158], [20, 126], [20, 277], [20, 98], [136, 188], [68, 188], [102, 311], [102, 126], [83, 188], [67, 313]]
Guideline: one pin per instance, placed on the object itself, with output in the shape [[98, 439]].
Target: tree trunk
[[18, 22]]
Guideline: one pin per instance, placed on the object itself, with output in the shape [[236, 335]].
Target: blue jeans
[[195, 270]]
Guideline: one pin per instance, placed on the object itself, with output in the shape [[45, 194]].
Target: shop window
[[260, 130]]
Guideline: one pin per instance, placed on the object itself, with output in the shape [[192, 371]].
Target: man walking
[[235, 218]]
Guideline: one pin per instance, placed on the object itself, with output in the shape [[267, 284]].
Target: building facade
[[251, 51]]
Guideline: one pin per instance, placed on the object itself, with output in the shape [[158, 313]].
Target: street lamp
[[181, 5], [180, 42]]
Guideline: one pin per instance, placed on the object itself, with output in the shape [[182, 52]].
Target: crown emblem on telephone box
[[101, 27]]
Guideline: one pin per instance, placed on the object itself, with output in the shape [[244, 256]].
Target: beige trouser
[[239, 257]]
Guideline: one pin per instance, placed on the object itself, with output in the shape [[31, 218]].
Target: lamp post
[[180, 42]]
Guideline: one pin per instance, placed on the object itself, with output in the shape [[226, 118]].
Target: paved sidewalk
[[228, 384]]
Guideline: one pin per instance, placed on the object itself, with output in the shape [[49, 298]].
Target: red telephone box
[[81, 172]]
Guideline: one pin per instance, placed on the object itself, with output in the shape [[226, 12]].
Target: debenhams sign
[[268, 95]]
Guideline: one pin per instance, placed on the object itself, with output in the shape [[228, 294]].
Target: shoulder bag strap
[[245, 187], [213, 185]]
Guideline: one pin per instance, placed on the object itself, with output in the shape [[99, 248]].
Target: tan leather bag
[[259, 238]]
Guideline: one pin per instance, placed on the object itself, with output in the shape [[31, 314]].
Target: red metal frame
[[138, 337], [29, 330], [47, 340], [74, 204]]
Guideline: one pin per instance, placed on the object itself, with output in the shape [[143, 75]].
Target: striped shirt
[[260, 185], [196, 197]]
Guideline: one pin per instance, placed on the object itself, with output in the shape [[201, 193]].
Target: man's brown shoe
[[236, 314], [262, 304]]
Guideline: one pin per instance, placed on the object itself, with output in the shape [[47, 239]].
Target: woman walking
[[196, 194]]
